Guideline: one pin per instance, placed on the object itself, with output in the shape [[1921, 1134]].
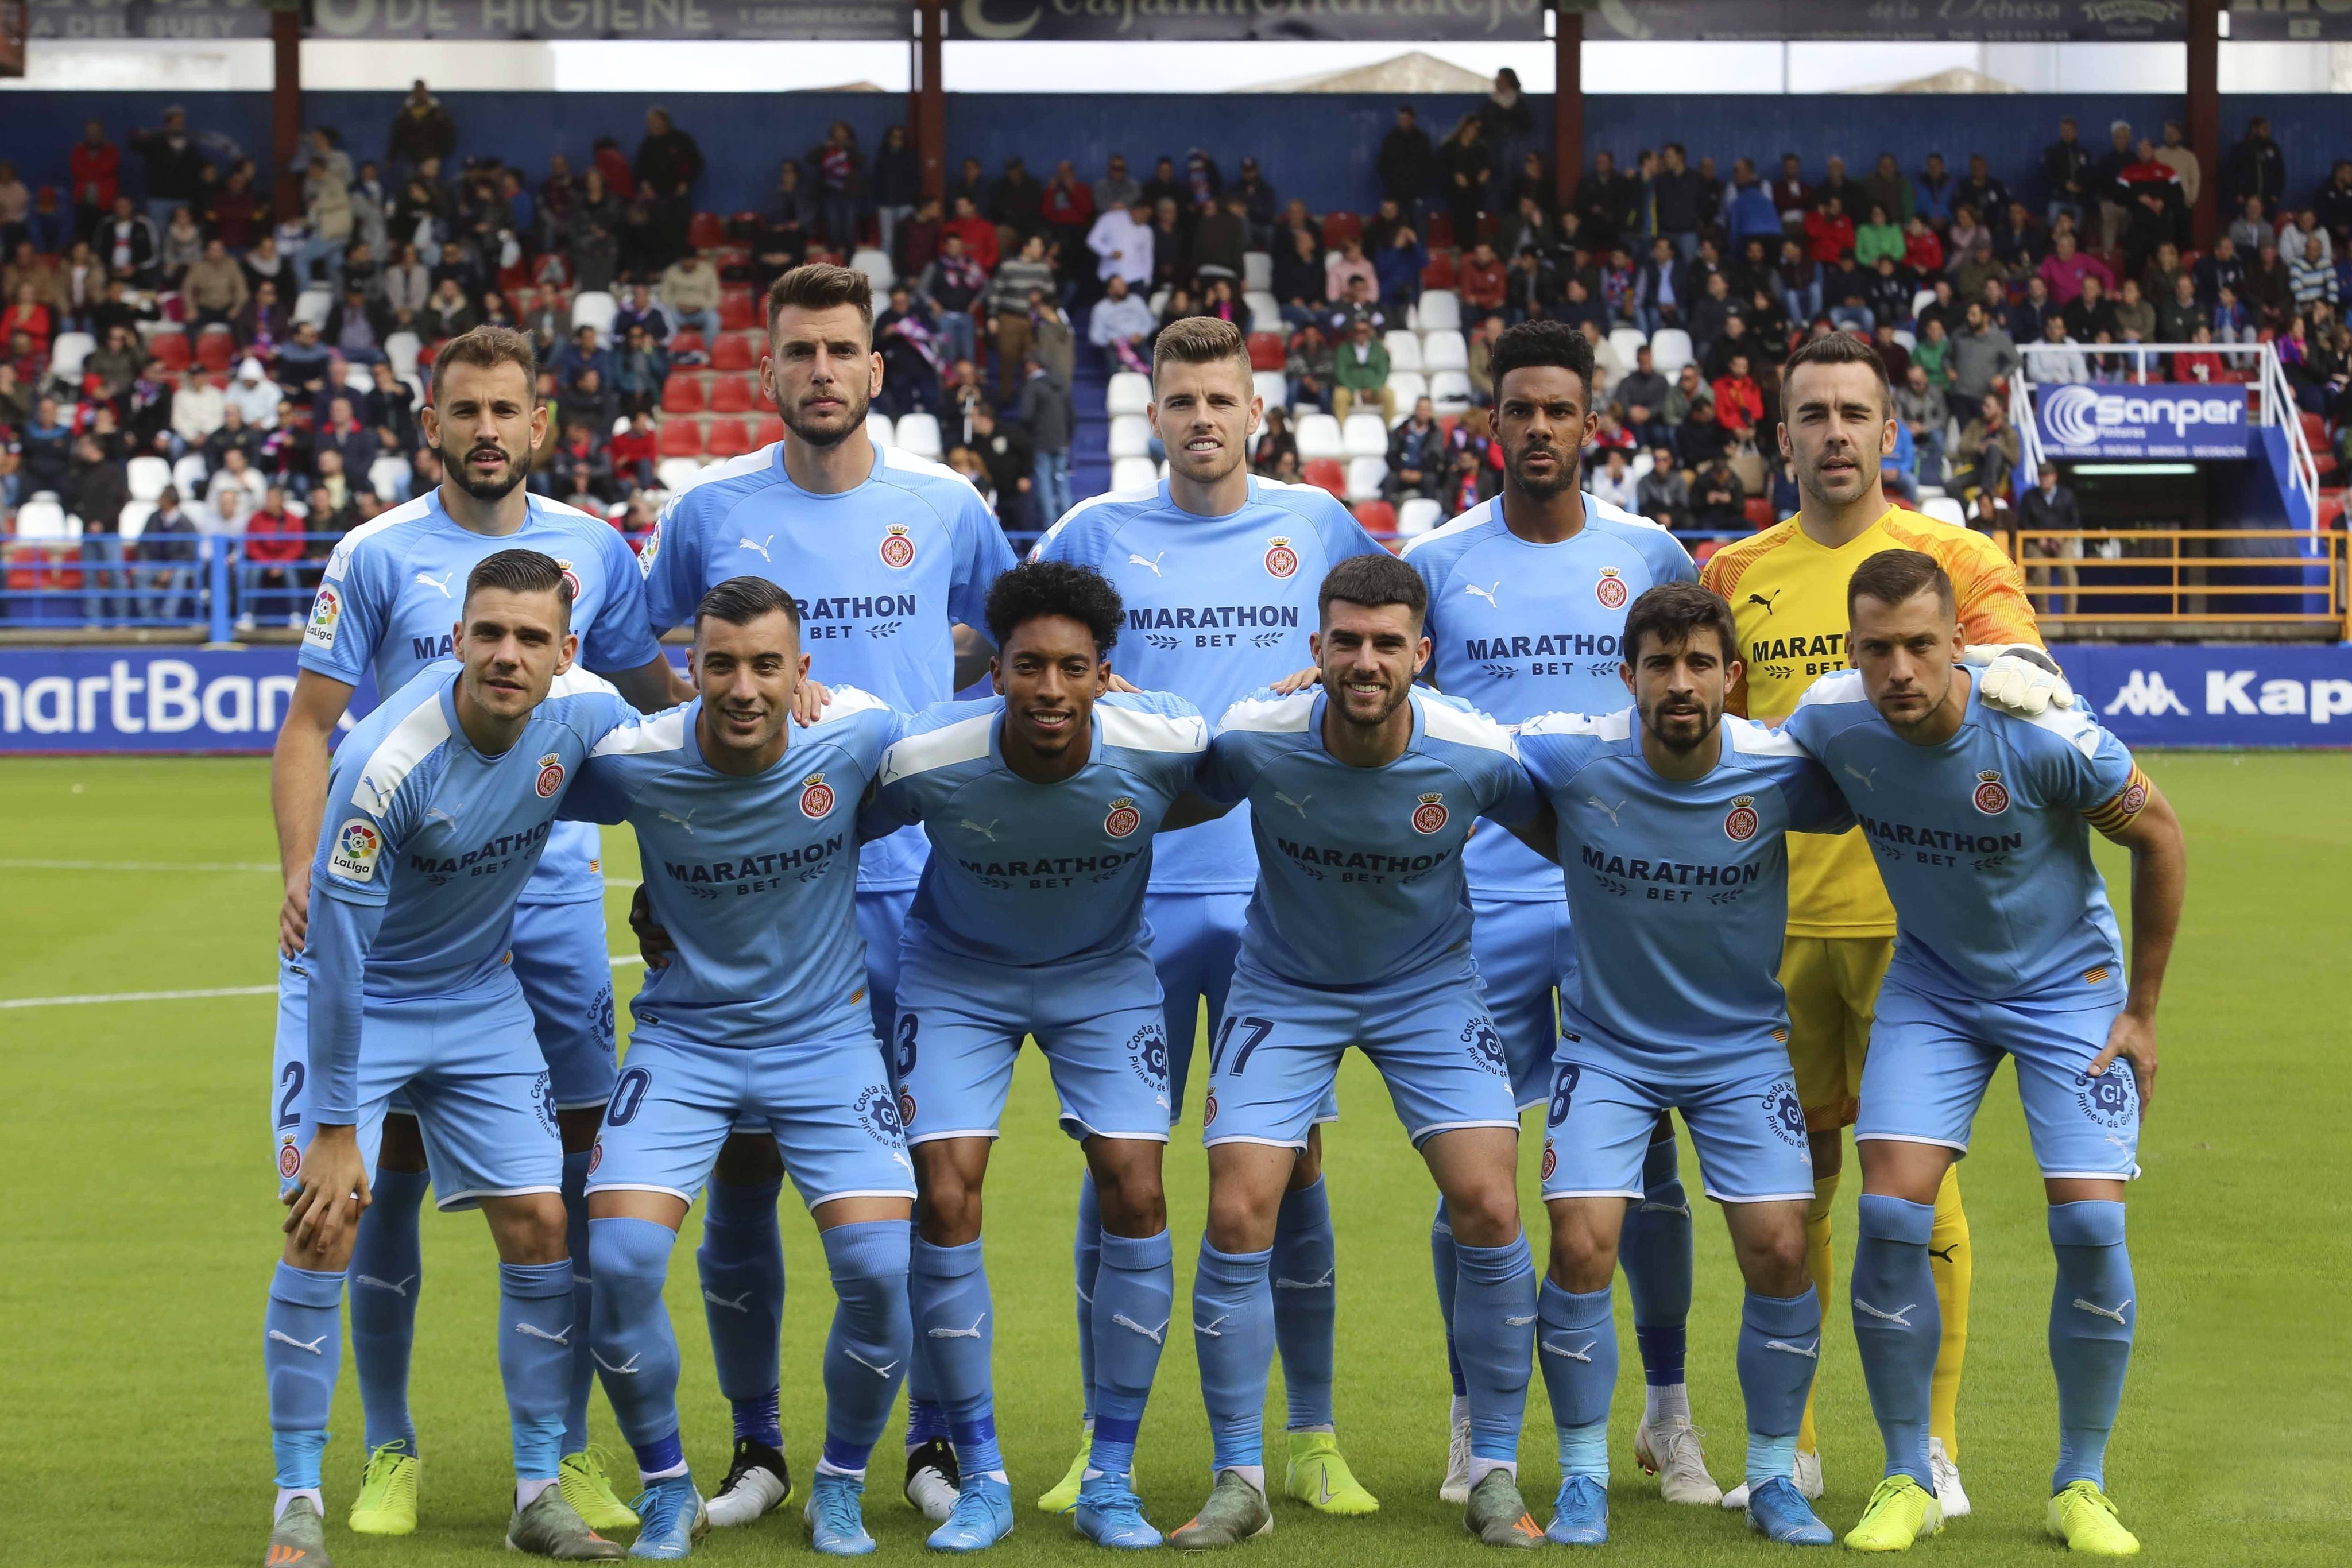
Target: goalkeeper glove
[[2020, 678]]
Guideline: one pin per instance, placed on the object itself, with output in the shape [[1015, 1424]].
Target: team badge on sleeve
[[1992, 795], [816, 797], [551, 775], [1739, 822], [1611, 589], [1430, 815], [1124, 818], [1281, 560], [653, 548], [290, 1158], [897, 547], [357, 845], [326, 611]]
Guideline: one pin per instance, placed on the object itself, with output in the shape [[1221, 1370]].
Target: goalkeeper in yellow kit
[[1787, 587]]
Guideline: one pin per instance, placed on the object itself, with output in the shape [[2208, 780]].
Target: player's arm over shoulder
[[2076, 763], [1990, 590]]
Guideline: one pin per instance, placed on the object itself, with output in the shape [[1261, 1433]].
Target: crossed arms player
[[745, 824], [2006, 945], [440, 803]]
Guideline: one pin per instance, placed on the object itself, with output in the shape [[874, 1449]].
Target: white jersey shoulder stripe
[[1618, 725], [1136, 729], [657, 733], [577, 682], [845, 702], [907, 463], [2070, 725], [1595, 505], [397, 756], [1844, 687], [1271, 716], [1441, 720], [1752, 739], [966, 740], [1140, 492], [339, 559], [1477, 517]]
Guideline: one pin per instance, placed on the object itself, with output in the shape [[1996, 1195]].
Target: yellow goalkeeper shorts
[[1832, 987]]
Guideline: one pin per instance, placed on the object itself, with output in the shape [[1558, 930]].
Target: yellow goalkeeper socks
[[1949, 1261], [1820, 1264]]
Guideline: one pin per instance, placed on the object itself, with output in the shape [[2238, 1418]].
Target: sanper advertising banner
[[2120, 420]]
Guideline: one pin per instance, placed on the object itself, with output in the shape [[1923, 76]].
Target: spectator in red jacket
[[1481, 279], [1923, 253], [1068, 210], [95, 166], [979, 236], [633, 452], [1829, 231], [1738, 401], [273, 543]]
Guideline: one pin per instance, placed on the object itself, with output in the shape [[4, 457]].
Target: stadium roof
[[1415, 72]]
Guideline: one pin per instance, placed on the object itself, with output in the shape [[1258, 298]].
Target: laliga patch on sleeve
[[357, 842], [326, 612]]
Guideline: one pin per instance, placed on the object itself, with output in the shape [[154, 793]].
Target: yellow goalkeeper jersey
[[1787, 596]]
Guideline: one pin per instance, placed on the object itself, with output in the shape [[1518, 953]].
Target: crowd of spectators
[[159, 309]]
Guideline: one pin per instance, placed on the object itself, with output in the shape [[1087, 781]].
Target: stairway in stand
[[1090, 436]]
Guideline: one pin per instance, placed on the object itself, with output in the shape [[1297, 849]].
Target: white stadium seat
[[132, 521], [1670, 351], [1130, 437], [68, 352], [1158, 300], [149, 475], [1134, 473], [595, 307], [1628, 341], [1404, 351], [1440, 311], [918, 433], [188, 476], [676, 473], [42, 521], [1319, 437], [1443, 350], [1273, 386], [1408, 387], [1257, 272], [1267, 319], [1921, 300], [876, 266], [401, 349], [1129, 392], [1418, 515], [1260, 301], [312, 305], [1944, 508], [1643, 465], [1365, 436], [1364, 476], [878, 428], [1449, 391], [389, 476]]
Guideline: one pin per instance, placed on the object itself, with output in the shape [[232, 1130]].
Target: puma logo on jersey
[[436, 814], [1487, 593], [971, 1332], [1298, 805], [685, 822], [1152, 565], [1866, 778], [1767, 603], [986, 832], [1606, 810], [760, 549], [440, 584]]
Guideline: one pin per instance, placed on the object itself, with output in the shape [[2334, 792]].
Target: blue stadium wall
[[1321, 147]]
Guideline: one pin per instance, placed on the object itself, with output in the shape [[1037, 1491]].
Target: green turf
[[140, 1232]]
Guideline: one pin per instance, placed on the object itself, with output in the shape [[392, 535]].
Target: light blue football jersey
[[882, 574], [1519, 629], [1216, 609], [755, 878], [1984, 842], [1359, 879], [1677, 891], [1036, 874], [391, 592], [424, 852]]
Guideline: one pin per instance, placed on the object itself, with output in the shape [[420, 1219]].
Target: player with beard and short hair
[[1218, 571], [1361, 796], [442, 802], [1528, 595], [890, 558], [383, 609]]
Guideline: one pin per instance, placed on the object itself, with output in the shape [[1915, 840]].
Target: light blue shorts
[[827, 1104], [1277, 1056], [881, 916], [1930, 1059], [559, 956], [1099, 1021], [1749, 1128], [1524, 956], [470, 1072], [1194, 937]]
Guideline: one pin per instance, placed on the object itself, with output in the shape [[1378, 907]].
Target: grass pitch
[[139, 1230]]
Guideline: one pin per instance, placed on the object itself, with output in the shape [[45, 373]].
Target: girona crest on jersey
[[1430, 815], [816, 797], [1550, 1160], [897, 547], [1611, 590], [1993, 795], [290, 1159], [1739, 822], [569, 576], [1124, 818], [1281, 560], [551, 775]]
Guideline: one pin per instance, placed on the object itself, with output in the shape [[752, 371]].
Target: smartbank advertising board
[[2119, 419], [65, 701]]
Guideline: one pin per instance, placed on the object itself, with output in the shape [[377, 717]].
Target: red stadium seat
[[726, 438], [1328, 474], [216, 351], [732, 395], [1441, 232], [1266, 351], [737, 310], [768, 431], [1378, 516], [680, 438], [1759, 511], [1439, 273], [706, 232], [734, 352], [2331, 510], [682, 395], [1339, 228], [688, 341], [171, 348]]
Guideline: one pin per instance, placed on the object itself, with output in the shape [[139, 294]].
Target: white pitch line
[[135, 865], [619, 960]]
